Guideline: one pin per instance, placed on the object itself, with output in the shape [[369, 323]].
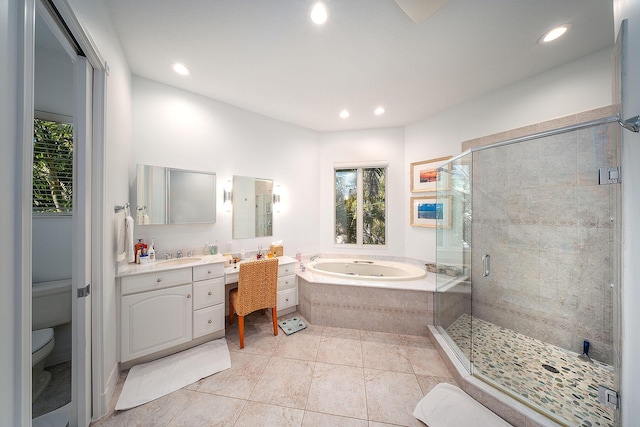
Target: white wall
[[176, 128], [363, 146], [630, 388], [51, 248], [581, 85], [53, 82]]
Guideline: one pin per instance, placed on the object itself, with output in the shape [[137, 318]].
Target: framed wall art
[[428, 211], [424, 175]]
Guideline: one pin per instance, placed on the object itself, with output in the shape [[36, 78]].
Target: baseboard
[[105, 397]]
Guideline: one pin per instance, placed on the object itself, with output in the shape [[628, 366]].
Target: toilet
[[51, 306], [42, 342]]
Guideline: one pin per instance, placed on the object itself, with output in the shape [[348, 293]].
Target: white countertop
[[163, 265]]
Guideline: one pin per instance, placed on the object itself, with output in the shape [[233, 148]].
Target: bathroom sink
[[179, 261]]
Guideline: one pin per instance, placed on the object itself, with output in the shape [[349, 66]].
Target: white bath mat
[[448, 406], [153, 380], [292, 325]]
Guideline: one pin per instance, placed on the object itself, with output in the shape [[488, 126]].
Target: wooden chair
[[257, 290]]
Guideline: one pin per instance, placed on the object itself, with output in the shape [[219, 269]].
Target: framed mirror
[[174, 196], [252, 207]]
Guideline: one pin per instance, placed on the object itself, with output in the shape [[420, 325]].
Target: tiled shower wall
[[550, 230]]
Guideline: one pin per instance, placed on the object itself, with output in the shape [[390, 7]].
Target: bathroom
[[160, 124]]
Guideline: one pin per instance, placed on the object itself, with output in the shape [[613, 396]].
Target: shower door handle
[[486, 265]]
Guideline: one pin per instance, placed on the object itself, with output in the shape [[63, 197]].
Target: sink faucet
[[179, 254], [167, 255], [190, 254]]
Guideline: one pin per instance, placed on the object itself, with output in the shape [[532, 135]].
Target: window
[[360, 205], [52, 166]]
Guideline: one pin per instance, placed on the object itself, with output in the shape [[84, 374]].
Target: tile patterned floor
[[57, 393], [320, 376], [515, 362]]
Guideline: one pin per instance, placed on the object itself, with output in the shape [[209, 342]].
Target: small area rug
[[153, 380]]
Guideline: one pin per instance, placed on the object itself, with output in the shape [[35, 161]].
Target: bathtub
[[367, 269], [367, 294]]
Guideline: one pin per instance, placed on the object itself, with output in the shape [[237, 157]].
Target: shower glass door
[[545, 271], [453, 256]]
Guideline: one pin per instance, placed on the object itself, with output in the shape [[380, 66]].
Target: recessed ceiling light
[[379, 111], [344, 114], [319, 13], [180, 69], [554, 33]]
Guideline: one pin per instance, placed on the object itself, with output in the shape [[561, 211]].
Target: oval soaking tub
[[366, 269]]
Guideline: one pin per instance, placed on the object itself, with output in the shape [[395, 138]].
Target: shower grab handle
[[486, 265]]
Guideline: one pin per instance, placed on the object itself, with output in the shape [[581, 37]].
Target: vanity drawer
[[288, 298], [286, 282], [286, 269], [208, 320], [208, 292], [158, 280], [209, 271]]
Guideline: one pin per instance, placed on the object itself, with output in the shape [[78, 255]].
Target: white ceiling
[[267, 56]]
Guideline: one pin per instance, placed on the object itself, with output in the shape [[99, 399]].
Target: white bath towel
[[448, 406], [128, 240], [120, 232]]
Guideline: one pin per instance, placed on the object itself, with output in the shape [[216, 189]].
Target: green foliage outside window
[[52, 167], [373, 205], [374, 210]]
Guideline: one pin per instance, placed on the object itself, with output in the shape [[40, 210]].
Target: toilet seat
[[42, 342], [40, 338]]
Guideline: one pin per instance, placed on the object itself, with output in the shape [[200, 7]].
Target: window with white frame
[[360, 205]]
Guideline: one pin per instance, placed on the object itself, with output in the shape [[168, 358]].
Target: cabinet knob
[[286, 299], [210, 321], [209, 272], [188, 295], [210, 293], [159, 279]]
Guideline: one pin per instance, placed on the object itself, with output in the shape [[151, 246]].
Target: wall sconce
[[276, 199], [227, 196]]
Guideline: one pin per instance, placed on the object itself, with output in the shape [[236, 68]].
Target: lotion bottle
[[152, 251]]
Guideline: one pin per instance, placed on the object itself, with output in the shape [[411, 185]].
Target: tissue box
[[277, 250]]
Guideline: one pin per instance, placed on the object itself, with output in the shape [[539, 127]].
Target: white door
[[81, 246]]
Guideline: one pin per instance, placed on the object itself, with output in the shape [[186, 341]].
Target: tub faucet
[[315, 257]]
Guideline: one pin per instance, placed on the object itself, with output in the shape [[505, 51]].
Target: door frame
[[25, 108]]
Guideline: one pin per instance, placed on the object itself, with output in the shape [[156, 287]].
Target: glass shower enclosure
[[528, 268]]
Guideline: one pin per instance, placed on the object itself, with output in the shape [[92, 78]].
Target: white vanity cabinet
[[163, 311], [154, 320], [208, 299], [287, 287]]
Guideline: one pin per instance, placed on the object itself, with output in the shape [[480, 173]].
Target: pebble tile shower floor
[[515, 363]]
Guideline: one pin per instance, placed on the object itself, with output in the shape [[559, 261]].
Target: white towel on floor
[[448, 406], [128, 240]]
